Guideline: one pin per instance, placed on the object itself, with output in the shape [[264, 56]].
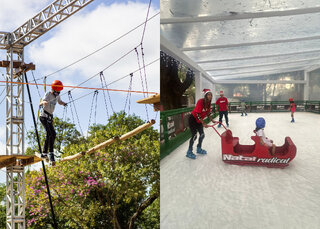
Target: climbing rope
[[36, 84], [104, 85], [94, 102], [144, 69], [142, 82], [71, 102], [64, 118], [140, 72], [128, 98]]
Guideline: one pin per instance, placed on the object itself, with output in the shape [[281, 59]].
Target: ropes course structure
[[16, 78]]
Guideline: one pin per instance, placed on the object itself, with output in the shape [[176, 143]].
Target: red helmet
[[290, 99], [57, 85]]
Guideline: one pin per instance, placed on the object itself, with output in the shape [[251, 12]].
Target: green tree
[[113, 188], [2, 206]]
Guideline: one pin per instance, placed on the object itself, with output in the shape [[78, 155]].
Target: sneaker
[[43, 156], [191, 155], [219, 125], [51, 156], [201, 151], [227, 125], [241, 114], [52, 163], [246, 114]]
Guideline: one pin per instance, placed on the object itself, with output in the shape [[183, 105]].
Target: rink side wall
[[174, 127]]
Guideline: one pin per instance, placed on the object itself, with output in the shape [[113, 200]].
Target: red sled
[[257, 154]]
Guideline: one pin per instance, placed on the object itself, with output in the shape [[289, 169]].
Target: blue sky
[[88, 30]]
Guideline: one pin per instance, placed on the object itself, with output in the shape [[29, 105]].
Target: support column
[[15, 192], [213, 89], [198, 85], [306, 94]]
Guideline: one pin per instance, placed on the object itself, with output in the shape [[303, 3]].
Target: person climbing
[[196, 122], [292, 108], [48, 103], [243, 108], [260, 125], [222, 107]]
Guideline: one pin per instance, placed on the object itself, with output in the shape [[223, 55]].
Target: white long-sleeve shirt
[[52, 101]]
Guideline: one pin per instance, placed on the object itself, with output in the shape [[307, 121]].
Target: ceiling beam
[[197, 48], [239, 15], [167, 47], [255, 73], [264, 65], [261, 81], [312, 68], [257, 57]]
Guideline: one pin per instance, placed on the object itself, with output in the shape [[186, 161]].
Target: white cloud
[[83, 33], [14, 13]]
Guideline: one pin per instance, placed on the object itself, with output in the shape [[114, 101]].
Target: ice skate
[[201, 151], [191, 155]]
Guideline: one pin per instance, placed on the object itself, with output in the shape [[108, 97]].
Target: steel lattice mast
[[14, 43]]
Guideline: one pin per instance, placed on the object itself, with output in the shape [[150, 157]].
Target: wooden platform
[[24, 160], [150, 100], [154, 99]]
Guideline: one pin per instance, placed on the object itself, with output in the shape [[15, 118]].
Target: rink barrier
[[275, 106], [174, 127]]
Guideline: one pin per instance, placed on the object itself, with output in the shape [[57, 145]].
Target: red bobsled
[[257, 154]]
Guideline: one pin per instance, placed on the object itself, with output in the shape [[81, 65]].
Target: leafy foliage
[[107, 189], [2, 206]]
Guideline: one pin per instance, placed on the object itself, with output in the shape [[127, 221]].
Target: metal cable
[[144, 23]]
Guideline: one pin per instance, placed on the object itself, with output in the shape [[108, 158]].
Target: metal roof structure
[[236, 39]]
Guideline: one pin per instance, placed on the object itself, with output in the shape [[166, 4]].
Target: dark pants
[[51, 136], [225, 113], [194, 127]]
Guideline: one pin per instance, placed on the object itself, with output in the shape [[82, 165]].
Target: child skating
[[49, 102], [196, 122], [292, 109], [260, 125], [243, 108]]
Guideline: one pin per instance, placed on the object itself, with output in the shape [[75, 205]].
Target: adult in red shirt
[[196, 123], [222, 107]]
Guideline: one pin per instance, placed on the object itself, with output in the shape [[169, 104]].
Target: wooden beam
[[110, 141], [7, 161], [24, 68], [6, 64], [153, 99]]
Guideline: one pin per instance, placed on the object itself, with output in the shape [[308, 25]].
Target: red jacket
[[292, 107], [222, 102], [200, 109]]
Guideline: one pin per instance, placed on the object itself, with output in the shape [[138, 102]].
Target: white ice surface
[[207, 193]]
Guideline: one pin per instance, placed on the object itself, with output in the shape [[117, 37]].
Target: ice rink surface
[[207, 193]]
